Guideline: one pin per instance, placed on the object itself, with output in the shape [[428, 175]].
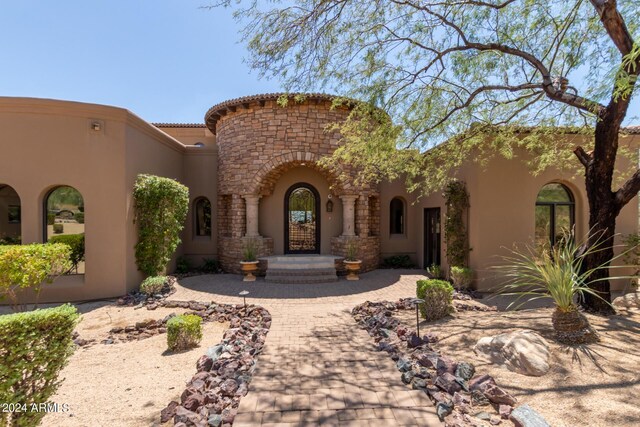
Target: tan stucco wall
[[271, 219], [49, 143], [407, 243]]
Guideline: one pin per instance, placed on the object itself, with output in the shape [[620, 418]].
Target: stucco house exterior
[[252, 172]]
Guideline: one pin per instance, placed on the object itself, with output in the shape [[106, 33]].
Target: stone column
[[251, 203], [348, 215]]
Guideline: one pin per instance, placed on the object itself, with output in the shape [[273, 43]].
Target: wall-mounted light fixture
[[96, 126], [329, 206]]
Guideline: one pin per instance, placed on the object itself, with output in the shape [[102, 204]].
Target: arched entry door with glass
[[302, 220]]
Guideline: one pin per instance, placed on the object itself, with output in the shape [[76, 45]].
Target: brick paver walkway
[[318, 367]]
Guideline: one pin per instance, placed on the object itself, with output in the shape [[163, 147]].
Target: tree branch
[[583, 156], [628, 191], [614, 24]]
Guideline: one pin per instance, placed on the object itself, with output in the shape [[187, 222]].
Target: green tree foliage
[[161, 210], [30, 266], [486, 76], [34, 347]]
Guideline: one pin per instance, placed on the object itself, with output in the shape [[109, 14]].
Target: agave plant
[[556, 273]]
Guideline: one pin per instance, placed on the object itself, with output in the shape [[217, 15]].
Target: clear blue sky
[[165, 60]]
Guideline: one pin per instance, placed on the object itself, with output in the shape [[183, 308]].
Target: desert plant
[[437, 296], [161, 210], [249, 251], [153, 284], [34, 347], [76, 244], [461, 277], [29, 266], [557, 274], [398, 261], [184, 331], [58, 228], [51, 218], [435, 271], [79, 217], [351, 251]]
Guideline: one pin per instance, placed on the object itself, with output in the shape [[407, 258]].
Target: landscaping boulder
[[524, 352], [525, 416], [628, 301]]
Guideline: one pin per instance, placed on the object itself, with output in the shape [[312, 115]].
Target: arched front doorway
[[302, 220]]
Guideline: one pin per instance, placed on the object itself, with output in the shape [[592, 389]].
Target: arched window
[[396, 216], [202, 216], [9, 216], [64, 223], [555, 214]]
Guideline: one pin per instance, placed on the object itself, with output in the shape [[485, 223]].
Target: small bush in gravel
[[153, 285], [184, 331], [461, 277], [438, 297]]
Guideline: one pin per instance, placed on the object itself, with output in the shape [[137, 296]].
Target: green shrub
[[435, 271], [398, 261], [184, 331], [351, 251], [51, 218], [29, 266], [11, 240], [58, 228], [79, 217], [461, 277], [34, 347], [183, 265], [437, 296], [210, 265], [161, 210], [153, 285], [75, 243]]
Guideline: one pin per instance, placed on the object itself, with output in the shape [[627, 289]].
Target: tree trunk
[[603, 210], [571, 327]]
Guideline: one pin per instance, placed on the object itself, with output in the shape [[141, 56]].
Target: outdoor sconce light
[[96, 126], [417, 302], [244, 294], [329, 206]]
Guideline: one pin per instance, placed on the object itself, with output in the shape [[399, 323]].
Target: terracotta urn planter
[[248, 268], [353, 267]]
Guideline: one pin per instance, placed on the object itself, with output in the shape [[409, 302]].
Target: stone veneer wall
[[368, 251], [232, 255], [260, 140]]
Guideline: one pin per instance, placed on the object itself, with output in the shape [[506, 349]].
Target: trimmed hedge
[[58, 228], [34, 347], [153, 285], [161, 210], [184, 331], [28, 266], [75, 243], [438, 297]]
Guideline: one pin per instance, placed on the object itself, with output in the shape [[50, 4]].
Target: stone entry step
[[301, 269]]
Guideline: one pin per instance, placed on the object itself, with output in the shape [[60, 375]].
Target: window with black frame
[[555, 215]]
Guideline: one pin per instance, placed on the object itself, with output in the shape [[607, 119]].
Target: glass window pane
[[65, 223], [563, 222], [543, 227], [554, 193], [203, 217]]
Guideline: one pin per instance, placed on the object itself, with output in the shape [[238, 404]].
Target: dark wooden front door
[[431, 237], [302, 220]]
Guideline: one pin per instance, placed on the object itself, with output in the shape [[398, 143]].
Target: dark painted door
[[431, 237]]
